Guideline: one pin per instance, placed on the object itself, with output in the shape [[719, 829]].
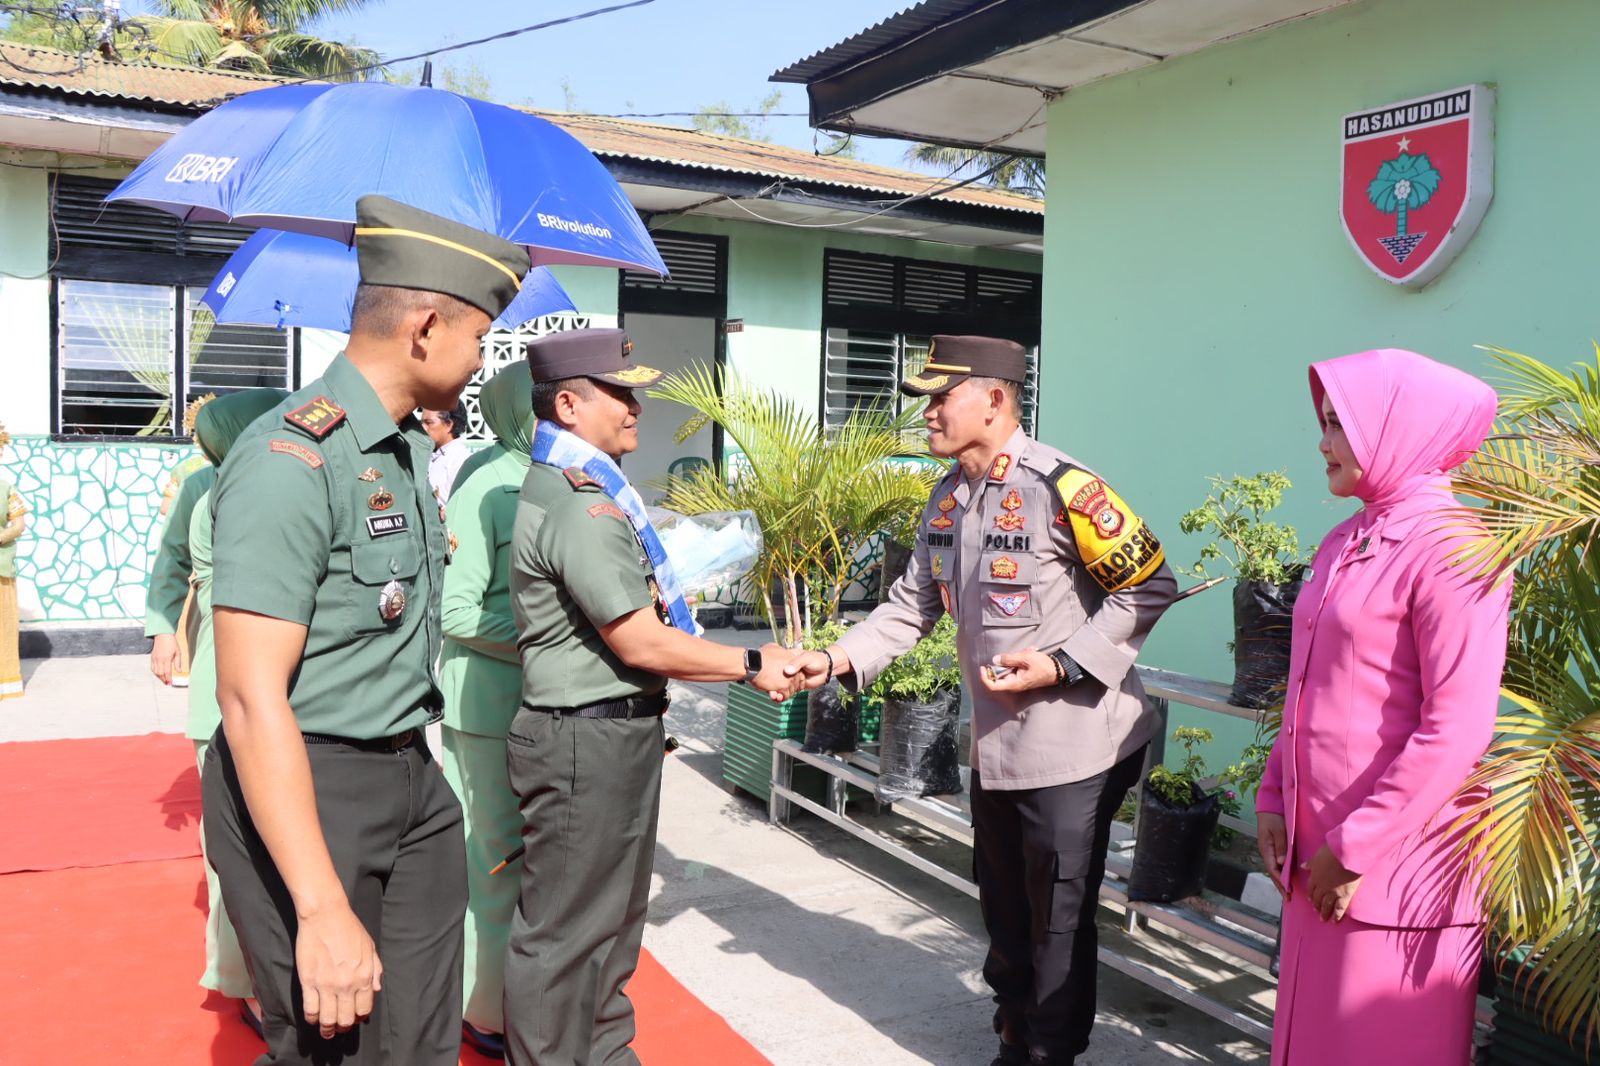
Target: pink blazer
[[1393, 690]]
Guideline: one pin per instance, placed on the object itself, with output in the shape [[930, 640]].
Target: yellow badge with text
[[1116, 546]]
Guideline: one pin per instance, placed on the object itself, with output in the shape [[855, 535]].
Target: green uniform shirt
[[204, 714], [482, 680], [576, 564], [169, 574], [300, 535]]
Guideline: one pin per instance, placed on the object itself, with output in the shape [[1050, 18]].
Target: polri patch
[[611, 509], [383, 525], [299, 451], [317, 417], [1004, 568]]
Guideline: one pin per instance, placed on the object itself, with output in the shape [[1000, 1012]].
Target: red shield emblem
[[1417, 178]]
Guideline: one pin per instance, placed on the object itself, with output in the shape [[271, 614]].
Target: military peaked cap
[[601, 354], [406, 247], [952, 360]]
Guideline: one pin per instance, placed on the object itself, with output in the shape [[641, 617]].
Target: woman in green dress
[[482, 681], [217, 426]]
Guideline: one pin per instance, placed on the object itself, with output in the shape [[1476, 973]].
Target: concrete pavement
[[817, 948]]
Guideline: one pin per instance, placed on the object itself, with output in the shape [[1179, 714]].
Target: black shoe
[[1040, 1058], [249, 1018], [489, 1045], [1011, 1055]]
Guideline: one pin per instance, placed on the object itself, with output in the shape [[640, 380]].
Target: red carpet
[[98, 962], [98, 802]]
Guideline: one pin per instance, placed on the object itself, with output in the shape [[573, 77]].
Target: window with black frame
[[133, 345], [880, 311]]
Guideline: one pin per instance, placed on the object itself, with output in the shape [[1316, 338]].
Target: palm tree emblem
[[1403, 184]]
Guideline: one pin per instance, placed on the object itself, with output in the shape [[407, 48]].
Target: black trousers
[[394, 831], [1039, 855], [590, 794]]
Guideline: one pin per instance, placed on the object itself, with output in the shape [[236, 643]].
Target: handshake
[[787, 671]]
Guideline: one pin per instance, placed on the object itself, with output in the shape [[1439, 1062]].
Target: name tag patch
[[1008, 542], [940, 540], [383, 525]]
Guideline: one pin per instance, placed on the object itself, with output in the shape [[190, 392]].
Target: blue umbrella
[[297, 157], [292, 279]]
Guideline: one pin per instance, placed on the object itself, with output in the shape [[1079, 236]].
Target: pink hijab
[[1409, 420]]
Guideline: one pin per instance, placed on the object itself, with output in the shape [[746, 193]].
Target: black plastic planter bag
[[832, 721], [1262, 625], [917, 753], [895, 560], [1171, 849]]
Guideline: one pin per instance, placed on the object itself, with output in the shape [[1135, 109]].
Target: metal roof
[[891, 31], [37, 67]]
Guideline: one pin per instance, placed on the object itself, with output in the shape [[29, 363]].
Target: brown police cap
[[601, 354], [952, 360], [408, 248]]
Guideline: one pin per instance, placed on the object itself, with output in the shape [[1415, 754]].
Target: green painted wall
[[1195, 262]]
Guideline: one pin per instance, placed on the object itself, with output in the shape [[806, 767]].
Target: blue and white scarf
[[554, 446]]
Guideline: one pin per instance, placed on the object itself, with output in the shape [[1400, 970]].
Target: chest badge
[[1010, 521], [938, 566], [1004, 568], [946, 505], [391, 601], [370, 474], [1009, 602], [1013, 501], [381, 500], [1000, 467]]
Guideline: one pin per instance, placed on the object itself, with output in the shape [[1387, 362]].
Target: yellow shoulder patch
[[1115, 545]]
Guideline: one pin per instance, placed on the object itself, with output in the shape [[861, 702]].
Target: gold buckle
[[402, 740]]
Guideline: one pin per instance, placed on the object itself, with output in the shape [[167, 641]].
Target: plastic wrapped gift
[[711, 550]]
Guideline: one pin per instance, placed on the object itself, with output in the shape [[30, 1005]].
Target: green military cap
[[952, 360], [409, 248], [601, 354]]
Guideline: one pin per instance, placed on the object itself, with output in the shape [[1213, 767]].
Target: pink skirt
[[1366, 994]]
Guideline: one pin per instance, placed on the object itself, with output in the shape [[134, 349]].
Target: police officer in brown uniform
[[1054, 584]]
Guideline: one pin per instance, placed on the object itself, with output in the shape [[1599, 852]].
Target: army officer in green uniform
[[335, 836], [601, 625]]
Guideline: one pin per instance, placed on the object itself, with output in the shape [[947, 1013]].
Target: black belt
[[651, 706], [398, 742]]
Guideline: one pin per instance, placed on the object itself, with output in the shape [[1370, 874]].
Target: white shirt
[[443, 465]]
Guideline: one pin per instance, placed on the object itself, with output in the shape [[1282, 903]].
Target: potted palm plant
[[1536, 829], [1267, 567], [820, 494]]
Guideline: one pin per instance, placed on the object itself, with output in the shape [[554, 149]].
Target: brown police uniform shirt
[[1042, 554]]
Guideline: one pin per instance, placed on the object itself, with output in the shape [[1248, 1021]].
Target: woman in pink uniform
[[1393, 688]]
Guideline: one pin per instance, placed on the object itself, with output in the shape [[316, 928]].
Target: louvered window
[[696, 283], [133, 345], [879, 313]]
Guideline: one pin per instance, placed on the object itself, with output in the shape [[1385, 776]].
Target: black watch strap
[[1071, 672], [752, 663]]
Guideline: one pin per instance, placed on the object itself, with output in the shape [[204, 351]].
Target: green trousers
[[590, 791], [475, 766], [225, 969]]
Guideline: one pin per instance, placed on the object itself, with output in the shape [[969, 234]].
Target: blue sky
[[670, 55]]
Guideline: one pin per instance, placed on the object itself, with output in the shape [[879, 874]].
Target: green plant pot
[[752, 724], [1520, 1036]]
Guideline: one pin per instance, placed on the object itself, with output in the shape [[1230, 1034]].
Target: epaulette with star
[[581, 480], [317, 417]]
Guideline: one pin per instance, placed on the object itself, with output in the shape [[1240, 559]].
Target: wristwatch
[[752, 663], [1071, 672]]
